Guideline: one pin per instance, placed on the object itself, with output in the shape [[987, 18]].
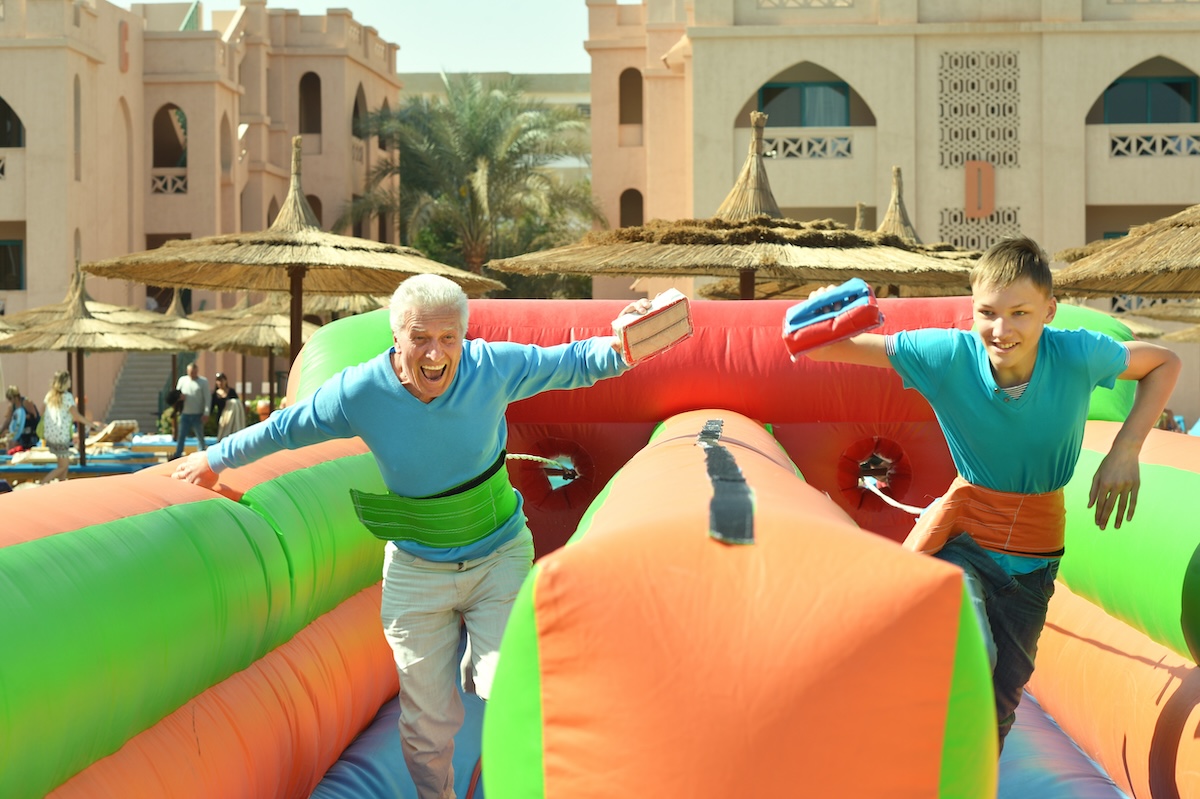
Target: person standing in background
[[196, 400], [227, 407]]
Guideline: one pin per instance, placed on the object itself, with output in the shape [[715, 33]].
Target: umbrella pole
[[746, 284], [271, 377], [82, 407], [296, 276]]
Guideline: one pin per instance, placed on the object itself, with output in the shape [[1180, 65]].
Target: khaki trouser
[[424, 603]]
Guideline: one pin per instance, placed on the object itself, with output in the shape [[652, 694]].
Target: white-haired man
[[432, 411]]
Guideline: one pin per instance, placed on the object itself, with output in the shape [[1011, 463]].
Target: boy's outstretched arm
[[865, 349], [1116, 482]]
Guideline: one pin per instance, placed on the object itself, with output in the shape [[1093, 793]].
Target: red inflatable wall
[[829, 417]]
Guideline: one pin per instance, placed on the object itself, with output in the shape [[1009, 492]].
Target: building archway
[[310, 103], [632, 208], [12, 130], [169, 150]]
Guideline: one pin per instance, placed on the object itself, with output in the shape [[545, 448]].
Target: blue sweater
[[426, 448]]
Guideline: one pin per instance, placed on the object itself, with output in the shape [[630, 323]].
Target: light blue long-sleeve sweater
[[427, 448]]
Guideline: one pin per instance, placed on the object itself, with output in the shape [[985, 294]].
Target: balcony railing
[[809, 146], [1153, 144], [168, 181]]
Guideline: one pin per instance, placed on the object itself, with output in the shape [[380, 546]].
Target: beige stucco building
[[122, 129], [1065, 120]]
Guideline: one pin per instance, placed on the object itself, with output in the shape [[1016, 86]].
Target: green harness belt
[[463, 515]]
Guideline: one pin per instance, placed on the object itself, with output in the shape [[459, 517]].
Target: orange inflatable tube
[[1130, 703]]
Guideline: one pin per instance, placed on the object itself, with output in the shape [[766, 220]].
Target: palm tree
[[476, 165]]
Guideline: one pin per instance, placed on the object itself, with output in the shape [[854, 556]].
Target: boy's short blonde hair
[[12, 392], [1011, 260]]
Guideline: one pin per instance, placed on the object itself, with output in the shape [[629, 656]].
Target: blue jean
[[1014, 608], [189, 423]]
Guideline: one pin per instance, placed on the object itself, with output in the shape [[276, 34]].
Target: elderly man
[[194, 390], [432, 411]]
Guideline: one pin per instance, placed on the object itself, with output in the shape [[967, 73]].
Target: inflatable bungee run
[[718, 608]]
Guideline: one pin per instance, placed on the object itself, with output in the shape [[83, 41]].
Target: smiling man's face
[[428, 349]]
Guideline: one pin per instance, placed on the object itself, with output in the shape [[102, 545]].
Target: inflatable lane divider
[[1130, 703], [114, 625], [648, 659], [271, 730], [1147, 573]]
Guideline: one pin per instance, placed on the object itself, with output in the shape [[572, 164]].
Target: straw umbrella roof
[[896, 221], [956, 283], [1183, 311], [1188, 334], [253, 334], [1158, 259], [751, 194], [175, 323], [1073, 254], [293, 255], [820, 252], [77, 329], [118, 314]]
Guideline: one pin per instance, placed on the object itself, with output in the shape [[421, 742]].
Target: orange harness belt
[[1016, 524]]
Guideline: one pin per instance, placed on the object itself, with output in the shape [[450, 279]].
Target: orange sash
[[1033, 525]]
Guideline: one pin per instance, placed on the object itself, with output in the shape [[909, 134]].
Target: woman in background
[[60, 417], [227, 408]]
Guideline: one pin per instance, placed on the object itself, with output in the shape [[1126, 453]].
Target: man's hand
[[195, 469], [1115, 486], [638, 307]]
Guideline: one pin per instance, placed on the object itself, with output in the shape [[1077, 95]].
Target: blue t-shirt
[[427, 448], [1028, 445]]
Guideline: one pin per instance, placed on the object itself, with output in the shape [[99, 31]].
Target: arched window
[[360, 112], [169, 166], [78, 130], [170, 137], [226, 147], [12, 132], [632, 213], [630, 97], [310, 103], [385, 110], [1158, 91]]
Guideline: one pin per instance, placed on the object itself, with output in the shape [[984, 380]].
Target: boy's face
[[1009, 321]]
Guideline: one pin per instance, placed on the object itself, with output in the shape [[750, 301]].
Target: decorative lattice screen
[[978, 234], [979, 108]]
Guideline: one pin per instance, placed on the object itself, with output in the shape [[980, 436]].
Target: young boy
[[1011, 397]]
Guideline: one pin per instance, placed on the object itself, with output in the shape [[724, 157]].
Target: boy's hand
[[195, 469], [1115, 486]]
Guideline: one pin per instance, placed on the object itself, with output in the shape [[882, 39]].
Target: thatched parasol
[[264, 334], [1182, 311], [751, 195], [117, 314], [1158, 259], [896, 221], [1073, 254], [76, 330], [1188, 335], [293, 255], [820, 252]]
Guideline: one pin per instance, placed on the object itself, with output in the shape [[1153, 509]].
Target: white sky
[[532, 36]]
